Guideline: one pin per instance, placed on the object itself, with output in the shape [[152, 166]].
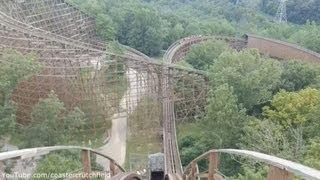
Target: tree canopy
[[56, 126], [203, 55], [252, 77], [14, 68]]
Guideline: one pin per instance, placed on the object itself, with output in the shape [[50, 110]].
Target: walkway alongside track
[[116, 146]]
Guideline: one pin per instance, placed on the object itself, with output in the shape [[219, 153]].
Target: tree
[[253, 78], [271, 138], [217, 27], [251, 173], [105, 27], [191, 147], [296, 111], [58, 164], [280, 31], [300, 11], [291, 122], [308, 36], [293, 108], [174, 28], [297, 76], [141, 29], [174, 32], [312, 157], [203, 55], [263, 136], [14, 68], [223, 118], [50, 120]]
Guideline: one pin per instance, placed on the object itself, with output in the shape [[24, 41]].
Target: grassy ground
[[138, 149], [143, 137], [113, 88], [185, 129], [102, 104]]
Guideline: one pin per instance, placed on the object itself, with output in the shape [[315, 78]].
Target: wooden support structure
[[276, 173], [113, 169], [184, 177], [86, 162], [193, 171], [213, 165]]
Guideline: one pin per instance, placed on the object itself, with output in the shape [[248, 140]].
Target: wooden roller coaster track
[[176, 52], [66, 42]]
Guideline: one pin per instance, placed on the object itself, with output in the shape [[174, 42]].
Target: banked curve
[[178, 50]]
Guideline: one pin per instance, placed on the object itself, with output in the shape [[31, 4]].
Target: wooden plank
[[86, 163], [193, 171], [113, 170], [276, 173], [213, 165]]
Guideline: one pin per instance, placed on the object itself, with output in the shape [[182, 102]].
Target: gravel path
[[116, 146]]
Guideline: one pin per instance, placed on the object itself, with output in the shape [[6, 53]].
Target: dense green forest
[[255, 102], [299, 11], [151, 25]]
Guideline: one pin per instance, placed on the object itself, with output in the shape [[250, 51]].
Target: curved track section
[[172, 156], [175, 52], [178, 50], [280, 49]]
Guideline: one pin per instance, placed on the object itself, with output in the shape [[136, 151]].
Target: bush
[[14, 68], [252, 77], [203, 55], [50, 125]]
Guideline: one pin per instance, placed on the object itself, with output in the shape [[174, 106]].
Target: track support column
[[113, 169], [213, 165], [192, 175], [86, 163], [276, 173]]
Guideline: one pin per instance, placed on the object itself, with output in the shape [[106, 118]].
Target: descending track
[[175, 52]]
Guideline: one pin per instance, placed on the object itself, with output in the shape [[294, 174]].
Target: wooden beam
[[86, 163], [276, 173], [206, 175], [113, 169], [184, 177], [213, 165], [193, 171]]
